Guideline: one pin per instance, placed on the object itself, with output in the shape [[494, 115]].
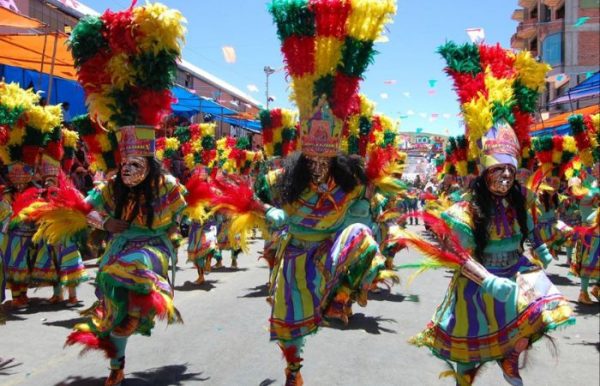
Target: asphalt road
[[224, 340]]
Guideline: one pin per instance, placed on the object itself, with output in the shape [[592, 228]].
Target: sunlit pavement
[[224, 340]]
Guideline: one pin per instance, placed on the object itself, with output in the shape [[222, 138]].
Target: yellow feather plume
[[69, 138], [328, 54], [302, 94], [499, 90], [44, 118], [367, 18], [55, 226], [121, 71], [242, 225], [161, 28], [530, 72]]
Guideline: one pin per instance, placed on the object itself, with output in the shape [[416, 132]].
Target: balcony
[[553, 3], [518, 14], [527, 29], [527, 3], [517, 43]]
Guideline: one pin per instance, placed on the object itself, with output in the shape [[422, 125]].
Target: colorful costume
[[586, 263], [499, 301], [328, 256], [25, 127], [126, 63], [59, 265]]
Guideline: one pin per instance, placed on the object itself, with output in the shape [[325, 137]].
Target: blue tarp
[[189, 104], [589, 88], [250, 125], [62, 90], [558, 130]]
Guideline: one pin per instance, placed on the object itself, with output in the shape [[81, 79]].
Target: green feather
[[183, 134], [86, 39], [265, 118], [292, 17], [356, 57], [83, 125]]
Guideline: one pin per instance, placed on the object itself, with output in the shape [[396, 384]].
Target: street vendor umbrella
[[9, 18], [46, 53]]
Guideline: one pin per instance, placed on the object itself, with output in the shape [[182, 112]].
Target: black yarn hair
[[347, 171], [482, 210], [146, 193]]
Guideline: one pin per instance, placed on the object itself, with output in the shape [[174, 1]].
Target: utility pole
[[268, 72]]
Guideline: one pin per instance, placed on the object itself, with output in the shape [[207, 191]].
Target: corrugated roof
[[219, 83]]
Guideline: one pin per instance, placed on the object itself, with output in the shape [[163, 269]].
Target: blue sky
[[409, 57]]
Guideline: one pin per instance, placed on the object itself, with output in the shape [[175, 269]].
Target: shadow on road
[[191, 286], [172, 375], [559, 279], [388, 296], [260, 291], [369, 324], [228, 269], [596, 344], [68, 323], [39, 305], [7, 364], [582, 309], [267, 382]]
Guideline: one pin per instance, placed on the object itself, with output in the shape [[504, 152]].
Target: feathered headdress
[[198, 145], [586, 130], [25, 128], [126, 63], [554, 153], [279, 132], [327, 46], [166, 150], [497, 90], [101, 144], [59, 152], [235, 157]]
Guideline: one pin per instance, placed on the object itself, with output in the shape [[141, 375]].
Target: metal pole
[[267, 90], [52, 68], [43, 58]]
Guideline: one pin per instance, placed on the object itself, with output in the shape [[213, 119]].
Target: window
[[533, 45], [546, 13], [552, 52], [560, 12], [533, 15]]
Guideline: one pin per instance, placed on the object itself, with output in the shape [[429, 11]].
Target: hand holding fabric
[[543, 254], [276, 216], [499, 287]]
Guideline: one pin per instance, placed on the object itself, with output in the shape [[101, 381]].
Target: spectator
[[66, 113]]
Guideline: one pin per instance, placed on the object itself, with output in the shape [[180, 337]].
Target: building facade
[[62, 15], [564, 34]]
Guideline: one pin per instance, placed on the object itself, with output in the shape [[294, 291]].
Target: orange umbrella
[[563, 119], [45, 53], [9, 18]]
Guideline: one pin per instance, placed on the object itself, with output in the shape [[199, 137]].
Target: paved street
[[224, 340]]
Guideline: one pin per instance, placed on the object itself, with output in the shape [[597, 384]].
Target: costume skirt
[[470, 326], [58, 265], [308, 275], [131, 283], [586, 262]]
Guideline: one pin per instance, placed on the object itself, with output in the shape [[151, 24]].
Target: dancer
[[141, 205], [328, 256], [59, 265], [586, 264], [19, 152], [499, 301]]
